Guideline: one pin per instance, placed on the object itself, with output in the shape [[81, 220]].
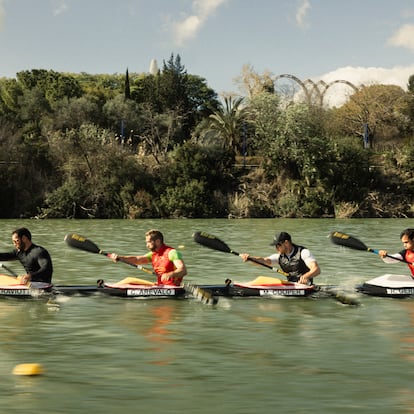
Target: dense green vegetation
[[165, 145]]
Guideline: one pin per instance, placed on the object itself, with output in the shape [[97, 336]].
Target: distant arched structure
[[327, 86], [297, 80], [315, 91]]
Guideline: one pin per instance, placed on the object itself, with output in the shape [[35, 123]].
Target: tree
[[263, 114], [127, 91], [195, 181], [410, 103], [378, 106], [53, 85], [158, 131], [97, 178], [173, 85], [72, 113], [227, 122], [252, 84], [10, 91], [121, 113], [299, 149]]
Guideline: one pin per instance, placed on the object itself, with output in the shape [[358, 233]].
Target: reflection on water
[[288, 355]]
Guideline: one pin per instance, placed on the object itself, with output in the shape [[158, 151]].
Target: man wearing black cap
[[295, 260]]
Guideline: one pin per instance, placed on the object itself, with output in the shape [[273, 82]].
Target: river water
[[287, 355]]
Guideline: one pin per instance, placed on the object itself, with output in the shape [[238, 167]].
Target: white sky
[[361, 41]]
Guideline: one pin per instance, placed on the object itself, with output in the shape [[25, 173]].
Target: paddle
[[14, 275], [8, 269], [346, 240], [79, 242], [213, 242]]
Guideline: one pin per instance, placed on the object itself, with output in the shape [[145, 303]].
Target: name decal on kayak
[[282, 292], [16, 292], [403, 291], [150, 292]]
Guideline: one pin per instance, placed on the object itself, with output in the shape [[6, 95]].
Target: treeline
[[165, 145]]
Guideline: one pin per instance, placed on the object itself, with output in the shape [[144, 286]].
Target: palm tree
[[227, 122]]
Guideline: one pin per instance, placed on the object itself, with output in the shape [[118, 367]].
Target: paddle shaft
[[82, 243], [9, 270], [252, 259], [121, 259], [346, 240], [375, 251], [213, 242]]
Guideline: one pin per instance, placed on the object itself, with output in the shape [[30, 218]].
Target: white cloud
[[58, 7], [338, 94], [404, 37], [301, 14], [188, 27]]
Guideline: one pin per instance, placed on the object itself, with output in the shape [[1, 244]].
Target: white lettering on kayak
[[150, 292], [282, 292], [16, 292], [402, 291]]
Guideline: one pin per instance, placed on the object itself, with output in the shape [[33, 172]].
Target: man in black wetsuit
[[35, 259]]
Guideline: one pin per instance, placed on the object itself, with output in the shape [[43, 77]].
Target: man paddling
[[295, 260], [167, 262], [406, 255], [35, 259]]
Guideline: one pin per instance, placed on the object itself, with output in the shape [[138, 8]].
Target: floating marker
[[28, 369], [181, 246]]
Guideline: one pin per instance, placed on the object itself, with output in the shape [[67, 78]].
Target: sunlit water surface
[[285, 355]]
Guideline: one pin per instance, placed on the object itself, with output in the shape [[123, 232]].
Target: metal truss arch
[[315, 91]]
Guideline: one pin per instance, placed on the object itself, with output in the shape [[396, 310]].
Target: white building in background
[[153, 68]]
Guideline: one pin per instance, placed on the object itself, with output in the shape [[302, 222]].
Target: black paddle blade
[[213, 242], [348, 241], [79, 242]]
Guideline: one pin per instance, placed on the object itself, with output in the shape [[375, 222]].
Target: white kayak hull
[[389, 285]]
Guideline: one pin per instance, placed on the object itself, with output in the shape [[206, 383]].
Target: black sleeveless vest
[[293, 264]]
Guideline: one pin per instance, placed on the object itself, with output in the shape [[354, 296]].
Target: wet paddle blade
[[348, 241], [79, 242], [212, 242], [201, 294]]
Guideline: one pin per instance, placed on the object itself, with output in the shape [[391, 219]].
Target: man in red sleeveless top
[[407, 255], [166, 261]]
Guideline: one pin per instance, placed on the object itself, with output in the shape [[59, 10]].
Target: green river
[[244, 356]]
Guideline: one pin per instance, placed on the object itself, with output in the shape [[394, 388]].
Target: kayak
[[131, 287], [36, 289], [11, 286], [388, 285], [262, 286], [139, 288], [276, 288]]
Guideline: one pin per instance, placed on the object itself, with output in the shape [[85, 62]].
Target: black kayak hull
[[168, 292]]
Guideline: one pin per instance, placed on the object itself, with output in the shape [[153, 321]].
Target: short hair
[[22, 231], [155, 235], [407, 232]]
